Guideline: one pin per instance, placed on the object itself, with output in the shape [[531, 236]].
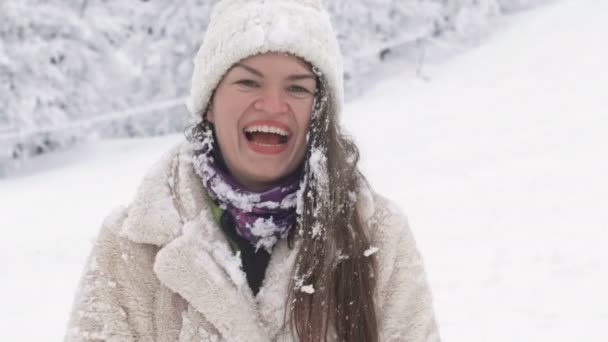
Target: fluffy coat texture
[[161, 270], [242, 28]]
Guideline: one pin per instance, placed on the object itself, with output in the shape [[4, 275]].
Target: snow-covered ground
[[498, 156]]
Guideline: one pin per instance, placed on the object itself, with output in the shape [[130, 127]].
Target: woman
[[260, 227]]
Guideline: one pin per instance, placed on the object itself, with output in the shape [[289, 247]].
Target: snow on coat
[[161, 270]]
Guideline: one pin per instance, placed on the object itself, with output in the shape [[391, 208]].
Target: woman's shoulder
[[387, 226], [380, 214], [111, 227], [113, 251], [169, 195]]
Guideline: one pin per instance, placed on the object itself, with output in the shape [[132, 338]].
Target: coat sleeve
[[405, 301], [113, 300]]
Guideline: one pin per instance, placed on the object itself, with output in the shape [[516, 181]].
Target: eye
[[298, 89], [247, 83]]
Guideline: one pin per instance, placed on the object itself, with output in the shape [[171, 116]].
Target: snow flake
[[371, 250], [318, 165], [227, 194], [290, 201], [317, 230], [268, 205], [352, 197], [308, 289], [340, 257], [263, 227]]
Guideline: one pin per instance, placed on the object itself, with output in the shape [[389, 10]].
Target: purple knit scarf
[[262, 218]]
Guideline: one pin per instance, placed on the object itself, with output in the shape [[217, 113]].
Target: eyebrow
[[291, 77]]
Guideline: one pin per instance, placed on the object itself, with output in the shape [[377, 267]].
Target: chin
[[267, 176]]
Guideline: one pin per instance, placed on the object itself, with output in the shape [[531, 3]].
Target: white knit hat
[[243, 28]]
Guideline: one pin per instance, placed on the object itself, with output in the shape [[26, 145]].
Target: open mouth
[[266, 135]]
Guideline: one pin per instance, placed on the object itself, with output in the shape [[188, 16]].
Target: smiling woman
[[261, 113], [260, 226]]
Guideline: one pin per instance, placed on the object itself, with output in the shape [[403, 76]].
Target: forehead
[[276, 61]]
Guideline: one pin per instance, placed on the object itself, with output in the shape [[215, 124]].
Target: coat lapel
[[271, 300], [202, 269], [153, 217], [170, 210]]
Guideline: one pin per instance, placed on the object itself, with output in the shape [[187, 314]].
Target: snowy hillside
[[500, 161], [497, 155]]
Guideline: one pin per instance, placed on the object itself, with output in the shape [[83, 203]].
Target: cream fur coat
[[161, 270]]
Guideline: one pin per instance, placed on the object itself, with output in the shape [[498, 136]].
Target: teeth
[[266, 145], [267, 129]]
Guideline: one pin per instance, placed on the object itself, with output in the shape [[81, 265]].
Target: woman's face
[[261, 112]]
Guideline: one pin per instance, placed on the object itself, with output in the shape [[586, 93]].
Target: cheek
[[303, 118], [227, 113], [303, 113], [225, 126], [223, 102]]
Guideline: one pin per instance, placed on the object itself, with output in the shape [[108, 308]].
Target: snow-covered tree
[[71, 69]]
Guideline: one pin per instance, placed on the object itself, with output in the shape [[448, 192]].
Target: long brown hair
[[333, 241], [332, 238]]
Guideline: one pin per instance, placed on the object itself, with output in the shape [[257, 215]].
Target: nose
[[272, 101]]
